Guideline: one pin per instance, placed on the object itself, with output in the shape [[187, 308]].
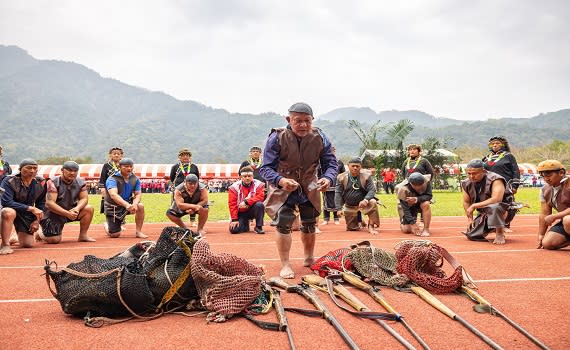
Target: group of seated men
[[29, 202]]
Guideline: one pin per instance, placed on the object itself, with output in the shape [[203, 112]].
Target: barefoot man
[[66, 201], [484, 191], [290, 160], [23, 202]]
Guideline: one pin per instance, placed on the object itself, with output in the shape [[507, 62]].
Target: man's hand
[[242, 205], [323, 184], [539, 245], [469, 212], [411, 200], [34, 226], [37, 212], [132, 208], [549, 219], [234, 224], [289, 185]]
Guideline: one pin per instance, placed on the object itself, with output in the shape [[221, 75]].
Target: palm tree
[[368, 137]]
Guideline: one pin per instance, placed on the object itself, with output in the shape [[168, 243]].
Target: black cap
[[27, 161], [126, 161], [70, 165], [355, 160], [475, 164], [301, 107], [255, 148], [191, 178], [416, 178]]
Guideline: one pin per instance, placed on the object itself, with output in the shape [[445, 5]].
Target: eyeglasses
[[548, 173]]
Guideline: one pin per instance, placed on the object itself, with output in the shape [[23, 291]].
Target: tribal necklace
[[354, 181], [185, 169], [255, 163], [411, 169], [493, 158]]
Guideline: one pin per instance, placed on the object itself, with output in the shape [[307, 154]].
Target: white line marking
[[525, 279], [27, 300]]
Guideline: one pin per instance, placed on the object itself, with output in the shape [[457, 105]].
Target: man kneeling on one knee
[[190, 197], [484, 191], [245, 201], [554, 227], [415, 195], [355, 191], [66, 201]]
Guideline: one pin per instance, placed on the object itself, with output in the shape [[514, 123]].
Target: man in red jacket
[[245, 200]]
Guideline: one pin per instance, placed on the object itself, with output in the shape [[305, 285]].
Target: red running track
[[528, 285]]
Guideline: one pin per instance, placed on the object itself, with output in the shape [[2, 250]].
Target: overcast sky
[[458, 59]]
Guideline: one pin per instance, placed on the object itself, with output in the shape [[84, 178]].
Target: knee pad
[[307, 227], [284, 230]]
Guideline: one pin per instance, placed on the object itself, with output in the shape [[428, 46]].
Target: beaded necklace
[[411, 169], [255, 163], [185, 168], [493, 158]]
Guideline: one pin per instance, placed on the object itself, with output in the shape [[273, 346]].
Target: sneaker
[[337, 222], [325, 222], [259, 230]]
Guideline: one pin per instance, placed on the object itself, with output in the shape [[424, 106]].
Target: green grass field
[[447, 204]]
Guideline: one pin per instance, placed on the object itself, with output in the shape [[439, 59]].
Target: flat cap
[[27, 161], [70, 165], [475, 164], [191, 178], [126, 161], [416, 178], [301, 107], [549, 165], [355, 160]]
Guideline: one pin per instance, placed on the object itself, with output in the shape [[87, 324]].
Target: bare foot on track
[[287, 272], [5, 250]]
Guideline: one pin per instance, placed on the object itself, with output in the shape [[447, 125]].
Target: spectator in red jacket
[[388, 178], [245, 201]]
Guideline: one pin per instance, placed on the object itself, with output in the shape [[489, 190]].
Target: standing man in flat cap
[[290, 160], [414, 195], [190, 198], [484, 191], [23, 204], [254, 161], [123, 197], [356, 192], [66, 201], [554, 228]]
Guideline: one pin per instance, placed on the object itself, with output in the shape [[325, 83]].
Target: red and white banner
[[144, 171]]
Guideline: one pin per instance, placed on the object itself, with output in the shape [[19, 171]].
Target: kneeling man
[[415, 195], [484, 191], [355, 190], [190, 197], [66, 201], [554, 228], [245, 200], [123, 197], [23, 203]]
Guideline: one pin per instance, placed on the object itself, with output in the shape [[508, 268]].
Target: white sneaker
[[326, 222], [106, 227], [337, 222]]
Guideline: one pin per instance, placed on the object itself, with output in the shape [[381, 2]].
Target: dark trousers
[[255, 212]]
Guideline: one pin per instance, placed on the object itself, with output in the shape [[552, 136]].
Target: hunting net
[[421, 261], [227, 284], [377, 265], [128, 284], [333, 260]]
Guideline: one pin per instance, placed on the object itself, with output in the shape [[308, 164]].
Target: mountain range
[[53, 108]]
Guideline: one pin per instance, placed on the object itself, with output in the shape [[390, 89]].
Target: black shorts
[[180, 214], [559, 228], [53, 225], [23, 221]]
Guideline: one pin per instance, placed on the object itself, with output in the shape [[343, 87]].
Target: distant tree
[[557, 149], [368, 137], [56, 160], [396, 135], [437, 160]]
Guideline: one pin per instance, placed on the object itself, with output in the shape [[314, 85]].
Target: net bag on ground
[[333, 260], [128, 284], [421, 261], [227, 284]]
